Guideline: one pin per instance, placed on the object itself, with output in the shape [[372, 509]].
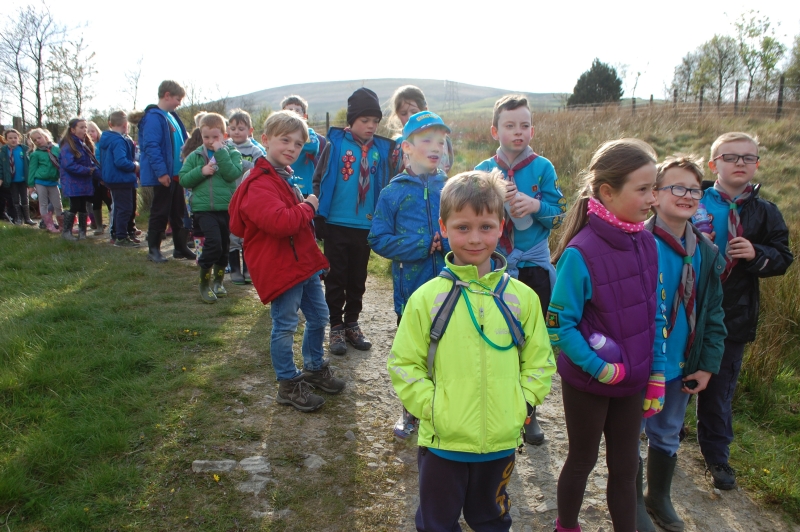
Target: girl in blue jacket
[[78, 167]]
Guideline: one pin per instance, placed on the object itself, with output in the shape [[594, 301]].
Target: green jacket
[[41, 167], [475, 401], [5, 164], [710, 331], [211, 193]]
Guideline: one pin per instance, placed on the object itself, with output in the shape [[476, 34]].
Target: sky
[[234, 48]]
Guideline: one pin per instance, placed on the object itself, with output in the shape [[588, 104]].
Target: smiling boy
[[471, 395], [534, 205], [753, 238]]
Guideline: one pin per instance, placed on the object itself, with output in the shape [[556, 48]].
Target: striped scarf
[[735, 228], [363, 172]]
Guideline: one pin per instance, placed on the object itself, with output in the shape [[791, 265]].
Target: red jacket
[[276, 227]]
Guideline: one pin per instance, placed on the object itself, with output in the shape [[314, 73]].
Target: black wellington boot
[[236, 272], [643, 522], [154, 247], [181, 251], [660, 470], [533, 432]]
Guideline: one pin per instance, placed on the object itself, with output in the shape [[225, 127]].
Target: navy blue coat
[[77, 172], [117, 154], [155, 145]]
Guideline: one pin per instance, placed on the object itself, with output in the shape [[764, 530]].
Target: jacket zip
[[291, 243], [430, 223], [483, 382]]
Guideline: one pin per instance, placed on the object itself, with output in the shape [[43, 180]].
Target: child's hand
[[511, 191], [523, 205], [612, 373], [218, 145], [313, 201], [164, 180], [712, 235], [208, 170], [702, 378], [436, 243], [741, 248]]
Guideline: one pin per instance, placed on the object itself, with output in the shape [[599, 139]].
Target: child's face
[[39, 140], [239, 132], [425, 149], [297, 108], [283, 150], [80, 130], [473, 237], [406, 109], [171, 102], [13, 140], [668, 205], [364, 127], [211, 135], [734, 177], [514, 130], [632, 203], [93, 133]]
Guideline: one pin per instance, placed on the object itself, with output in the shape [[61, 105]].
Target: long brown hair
[[611, 165], [69, 139]]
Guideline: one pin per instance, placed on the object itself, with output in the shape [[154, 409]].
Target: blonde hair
[[284, 123], [213, 120], [732, 136], [117, 118], [43, 132], [89, 126], [295, 100], [172, 87], [483, 191], [611, 165], [508, 102], [135, 116], [406, 93], [199, 116], [692, 163]]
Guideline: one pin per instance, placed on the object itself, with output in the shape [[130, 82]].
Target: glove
[[613, 374], [654, 395]]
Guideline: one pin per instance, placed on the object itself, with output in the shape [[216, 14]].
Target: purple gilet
[[623, 268]]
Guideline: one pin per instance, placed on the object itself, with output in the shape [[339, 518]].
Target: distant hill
[[331, 96]]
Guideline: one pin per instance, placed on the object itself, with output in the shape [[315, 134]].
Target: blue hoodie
[[116, 153], [157, 157]]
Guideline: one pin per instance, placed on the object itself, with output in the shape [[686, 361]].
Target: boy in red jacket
[[285, 262]]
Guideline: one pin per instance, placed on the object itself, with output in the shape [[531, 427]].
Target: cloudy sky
[[232, 48]]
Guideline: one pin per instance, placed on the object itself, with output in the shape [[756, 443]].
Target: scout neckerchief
[[53, 158], [11, 163], [599, 210], [687, 292], [734, 223], [522, 160], [363, 173]]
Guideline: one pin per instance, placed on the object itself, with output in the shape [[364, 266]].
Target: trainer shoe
[[356, 338], [336, 340], [405, 426], [723, 475], [125, 243], [323, 379], [297, 392]]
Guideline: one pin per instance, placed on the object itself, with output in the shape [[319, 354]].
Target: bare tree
[[42, 34], [13, 67], [72, 67], [132, 77]]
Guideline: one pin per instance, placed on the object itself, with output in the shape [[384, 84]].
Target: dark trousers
[[123, 210], [538, 280], [6, 207], [168, 205], [215, 226], [589, 416], [19, 194], [714, 409], [78, 203], [447, 487], [348, 253], [101, 195]]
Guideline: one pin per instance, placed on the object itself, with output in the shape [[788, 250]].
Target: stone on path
[[255, 464], [547, 506], [314, 462], [254, 486], [349, 435], [217, 466]]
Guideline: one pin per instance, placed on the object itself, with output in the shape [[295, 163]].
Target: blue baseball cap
[[422, 120]]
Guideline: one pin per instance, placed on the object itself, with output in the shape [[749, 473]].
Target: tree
[[793, 70], [132, 77], [599, 84], [759, 52], [13, 67], [719, 63], [72, 66], [770, 53], [687, 77], [42, 34]]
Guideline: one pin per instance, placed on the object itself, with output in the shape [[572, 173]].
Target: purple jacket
[[624, 270], [77, 172]]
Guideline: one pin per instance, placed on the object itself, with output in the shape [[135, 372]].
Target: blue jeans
[[663, 429], [308, 297]]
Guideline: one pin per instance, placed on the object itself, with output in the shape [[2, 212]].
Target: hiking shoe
[[297, 392], [125, 243], [405, 426], [336, 340], [723, 475], [356, 338], [323, 379]]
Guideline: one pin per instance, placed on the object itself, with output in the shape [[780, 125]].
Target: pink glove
[[654, 396], [612, 374]]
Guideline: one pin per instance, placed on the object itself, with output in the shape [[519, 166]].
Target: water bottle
[[605, 348], [701, 220], [519, 223]]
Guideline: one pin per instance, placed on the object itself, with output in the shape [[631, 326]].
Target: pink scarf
[[599, 210]]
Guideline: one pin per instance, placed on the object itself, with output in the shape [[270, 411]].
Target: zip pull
[[425, 195]]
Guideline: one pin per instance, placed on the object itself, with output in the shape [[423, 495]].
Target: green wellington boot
[[206, 293], [217, 276]]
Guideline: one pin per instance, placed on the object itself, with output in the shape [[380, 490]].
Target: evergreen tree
[[599, 84]]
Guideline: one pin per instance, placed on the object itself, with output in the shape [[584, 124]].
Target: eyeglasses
[[734, 158], [677, 190]]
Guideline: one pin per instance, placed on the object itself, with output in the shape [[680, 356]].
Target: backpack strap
[[514, 326]]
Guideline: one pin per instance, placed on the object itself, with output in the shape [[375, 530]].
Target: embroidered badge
[[373, 170], [552, 319], [535, 188], [369, 217], [348, 159]]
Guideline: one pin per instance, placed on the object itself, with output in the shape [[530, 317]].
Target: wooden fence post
[[633, 105], [16, 123], [736, 99], [780, 98], [674, 99], [327, 122], [700, 109]]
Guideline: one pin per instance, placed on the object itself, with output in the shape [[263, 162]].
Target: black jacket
[[764, 227]]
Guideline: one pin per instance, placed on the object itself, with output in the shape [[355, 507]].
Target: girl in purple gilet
[[606, 283]]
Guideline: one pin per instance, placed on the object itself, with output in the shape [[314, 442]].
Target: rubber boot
[[236, 273], [660, 470], [59, 223], [66, 226], [82, 225], [17, 215], [533, 432], [48, 223], [206, 293], [199, 242], [154, 247], [26, 215], [245, 271], [98, 220], [92, 222], [643, 522], [218, 275], [180, 251]]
